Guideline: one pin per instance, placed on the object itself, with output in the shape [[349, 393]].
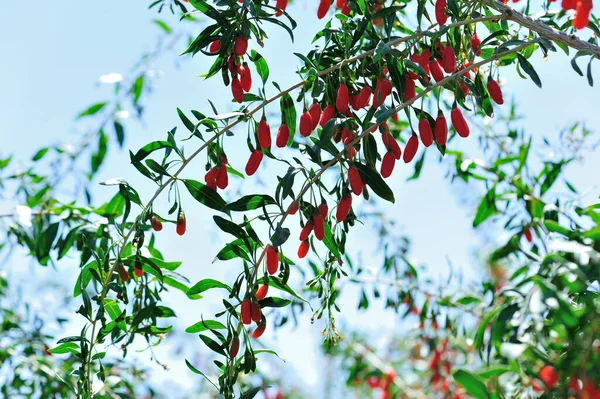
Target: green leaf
[[40, 154], [280, 235], [207, 284], [163, 26], [274, 302], [149, 148], [230, 227], [205, 325], [67, 347], [261, 65], [553, 226], [250, 202], [486, 208], [493, 371], [195, 370], [186, 122], [250, 393], [529, 70], [93, 109], [205, 195], [594, 233], [375, 181], [471, 383]]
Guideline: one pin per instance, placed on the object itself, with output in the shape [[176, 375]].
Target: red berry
[[363, 97], [458, 121], [569, 4], [181, 223], [272, 260], [582, 16], [528, 235], [264, 134], [240, 46], [215, 46], [237, 90], [343, 98], [449, 63], [223, 177], [319, 227], [261, 292], [343, 208], [315, 114], [281, 4], [293, 208], [356, 182], [475, 42], [306, 124], [323, 8], [391, 144], [283, 135], [495, 91], [258, 332], [245, 77], [441, 129], [234, 348], [323, 209], [254, 162], [412, 145], [123, 273], [387, 165], [303, 249], [425, 131], [255, 312], [440, 12], [549, 376], [246, 312], [306, 230], [211, 176], [138, 272], [409, 89], [436, 70], [156, 223], [328, 113]]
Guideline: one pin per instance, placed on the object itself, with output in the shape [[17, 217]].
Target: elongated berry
[[440, 12], [409, 89], [237, 90], [441, 129], [412, 145], [259, 331], [323, 209], [549, 376], [306, 124], [303, 249], [293, 208], [458, 121], [223, 177], [391, 144], [423, 60], [215, 46], [123, 273], [272, 260], [343, 208], [245, 77], [356, 182], [246, 312], [240, 46], [581, 20], [475, 42], [282, 5], [255, 312], [387, 165], [528, 235], [264, 134], [234, 347], [327, 114], [254, 162], [181, 223], [138, 272], [319, 227], [261, 292], [156, 223], [343, 98], [306, 230], [283, 135], [364, 97], [436, 70], [495, 91], [211, 176], [323, 8], [449, 64], [315, 114], [569, 4], [425, 132]]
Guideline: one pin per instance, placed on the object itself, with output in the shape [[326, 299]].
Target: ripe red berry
[[255, 312], [440, 12], [259, 331], [246, 312], [245, 77], [254, 162], [223, 177], [264, 134], [356, 182], [475, 42], [210, 178], [569, 4], [283, 136], [436, 70], [281, 4], [138, 272], [323, 8], [123, 273], [449, 64], [409, 89], [391, 144], [315, 114], [261, 292], [412, 145], [343, 208], [458, 121], [306, 124], [293, 208], [303, 249], [319, 227], [215, 46], [327, 114], [441, 129], [156, 223], [343, 98], [549, 376], [495, 91], [323, 209], [425, 132], [181, 223], [240, 46], [528, 235], [387, 165], [272, 260], [363, 97], [237, 90], [582, 15], [306, 230], [234, 348]]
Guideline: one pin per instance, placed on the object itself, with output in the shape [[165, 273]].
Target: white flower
[[24, 213], [110, 78]]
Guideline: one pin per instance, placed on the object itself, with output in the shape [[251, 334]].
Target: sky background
[[52, 59]]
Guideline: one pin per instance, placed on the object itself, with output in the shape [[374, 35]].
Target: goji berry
[[356, 182], [256, 314], [303, 249], [259, 331], [234, 348], [215, 46], [261, 292], [156, 223], [458, 121], [323, 8], [343, 208], [254, 162], [323, 209], [343, 98], [319, 227], [237, 90], [475, 42], [139, 272], [240, 46], [327, 114], [409, 89], [387, 165], [264, 134], [440, 12], [449, 64], [306, 230], [272, 260], [283, 136], [293, 208], [123, 273], [306, 123], [315, 114], [528, 235], [425, 132], [441, 129], [391, 144], [246, 312], [223, 177], [412, 145], [549, 376], [282, 5], [245, 77], [495, 91], [436, 70], [181, 223]]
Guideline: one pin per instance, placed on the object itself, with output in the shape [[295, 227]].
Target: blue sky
[[54, 56]]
